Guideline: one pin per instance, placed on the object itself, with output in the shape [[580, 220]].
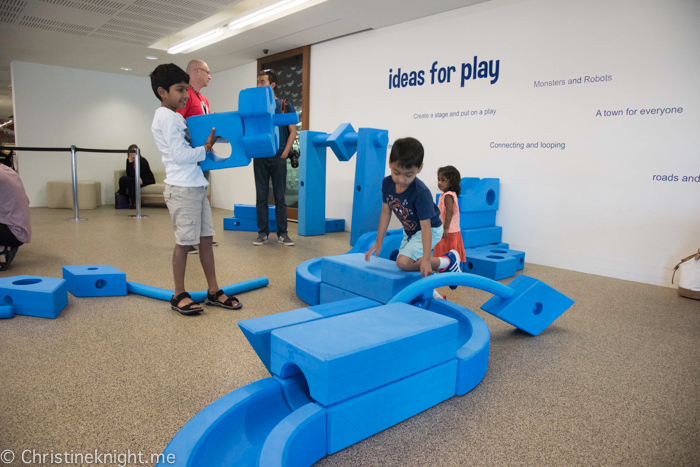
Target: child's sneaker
[[436, 294], [455, 265]]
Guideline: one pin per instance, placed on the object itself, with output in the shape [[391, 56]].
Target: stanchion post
[[137, 184], [74, 169]]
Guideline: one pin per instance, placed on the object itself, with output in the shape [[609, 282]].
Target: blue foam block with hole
[[299, 440], [329, 293], [249, 211], [481, 236], [478, 194], [358, 418], [369, 173], [229, 126], [335, 225], [247, 225], [312, 185], [491, 265], [379, 279], [257, 330], [308, 283], [347, 355], [95, 281], [43, 297], [534, 306], [295, 390]]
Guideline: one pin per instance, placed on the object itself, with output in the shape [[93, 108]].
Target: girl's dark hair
[[453, 177], [165, 75], [408, 152], [132, 148]]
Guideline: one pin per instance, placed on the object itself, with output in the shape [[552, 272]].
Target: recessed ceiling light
[[126, 68], [151, 57]]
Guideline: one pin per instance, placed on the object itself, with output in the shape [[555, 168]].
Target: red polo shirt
[[197, 104]]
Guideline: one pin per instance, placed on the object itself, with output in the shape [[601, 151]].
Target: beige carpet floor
[[614, 381]]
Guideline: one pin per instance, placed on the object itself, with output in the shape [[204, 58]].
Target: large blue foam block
[[257, 108], [247, 225], [95, 281], [358, 418], [369, 173], [478, 194], [329, 293], [43, 297], [312, 185], [495, 266], [299, 440], [249, 211], [481, 236], [379, 279], [534, 306], [229, 126], [347, 355]]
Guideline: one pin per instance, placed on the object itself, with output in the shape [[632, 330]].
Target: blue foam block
[[369, 173], [308, 283], [312, 185], [295, 390], [478, 194], [95, 281], [329, 294], [247, 225], [299, 440], [346, 355], [473, 220], [534, 306], [343, 142], [502, 250], [257, 330], [257, 107], [249, 211], [501, 246], [358, 418], [229, 126], [481, 236], [491, 265], [379, 279], [43, 297], [6, 312], [335, 225]]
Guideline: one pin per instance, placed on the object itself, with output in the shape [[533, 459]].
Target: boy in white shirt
[[185, 189]]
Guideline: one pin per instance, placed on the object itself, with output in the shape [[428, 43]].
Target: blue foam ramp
[[481, 236], [532, 308], [230, 431], [257, 330], [358, 418], [329, 294], [249, 211], [6, 312], [247, 225], [478, 194], [299, 440], [335, 225], [492, 265], [43, 297], [229, 126], [165, 294], [95, 281], [379, 279], [346, 355]]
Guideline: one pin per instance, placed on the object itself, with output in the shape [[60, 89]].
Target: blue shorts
[[413, 247]]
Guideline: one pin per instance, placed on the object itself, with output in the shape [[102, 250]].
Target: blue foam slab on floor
[[299, 440], [249, 211], [358, 418], [347, 355], [481, 236], [473, 220], [379, 279], [534, 306], [504, 251], [43, 297], [335, 225], [329, 294], [478, 194], [308, 281], [492, 265], [247, 225], [95, 281]]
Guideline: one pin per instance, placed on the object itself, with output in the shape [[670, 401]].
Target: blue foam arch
[[166, 295], [452, 278]]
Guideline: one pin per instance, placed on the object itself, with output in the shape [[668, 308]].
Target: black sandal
[[185, 309], [9, 253], [213, 300]]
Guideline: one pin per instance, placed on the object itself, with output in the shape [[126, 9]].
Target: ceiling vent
[[95, 6], [51, 25], [10, 10]]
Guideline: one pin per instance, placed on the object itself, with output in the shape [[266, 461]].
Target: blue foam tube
[[166, 295], [6, 312], [452, 278]]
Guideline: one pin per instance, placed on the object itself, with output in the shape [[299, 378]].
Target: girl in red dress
[[448, 182]]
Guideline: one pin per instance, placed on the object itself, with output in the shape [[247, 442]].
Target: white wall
[[59, 107], [592, 207]]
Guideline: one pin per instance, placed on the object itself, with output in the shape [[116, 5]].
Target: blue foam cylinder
[[426, 284], [6, 312], [166, 295]]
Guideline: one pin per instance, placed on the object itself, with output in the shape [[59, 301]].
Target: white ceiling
[[105, 35]]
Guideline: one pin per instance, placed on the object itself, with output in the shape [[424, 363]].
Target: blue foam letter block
[[249, 211], [247, 225], [43, 297], [95, 281], [358, 418], [481, 236], [534, 306], [335, 225], [478, 194], [347, 355], [379, 279]]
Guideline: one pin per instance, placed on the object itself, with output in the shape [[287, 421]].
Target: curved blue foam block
[[367, 241], [231, 430], [6, 312], [295, 390], [297, 441], [166, 295], [308, 285], [426, 284]]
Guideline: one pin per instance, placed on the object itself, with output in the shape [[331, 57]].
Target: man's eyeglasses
[[205, 71]]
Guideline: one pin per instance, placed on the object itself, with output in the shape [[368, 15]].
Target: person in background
[[127, 183], [15, 225]]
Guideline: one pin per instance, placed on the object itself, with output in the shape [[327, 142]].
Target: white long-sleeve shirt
[[174, 143]]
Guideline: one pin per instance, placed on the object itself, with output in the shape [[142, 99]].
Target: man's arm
[[290, 140]]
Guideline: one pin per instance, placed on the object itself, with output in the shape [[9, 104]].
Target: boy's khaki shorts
[[190, 211]]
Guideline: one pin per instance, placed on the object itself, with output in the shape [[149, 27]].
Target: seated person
[[127, 186], [15, 228]]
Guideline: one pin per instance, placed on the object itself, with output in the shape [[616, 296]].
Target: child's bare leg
[[409, 265], [206, 257], [179, 266]]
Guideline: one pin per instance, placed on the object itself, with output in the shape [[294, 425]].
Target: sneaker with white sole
[[192, 250], [455, 265], [285, 240], [262, 238]]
